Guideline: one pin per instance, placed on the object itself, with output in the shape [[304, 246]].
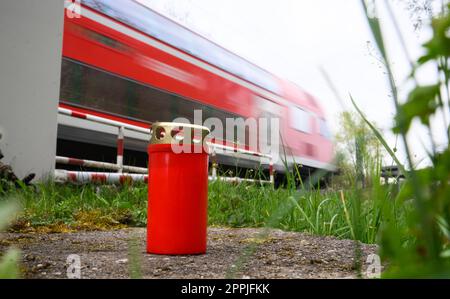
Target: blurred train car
[[123, 61]]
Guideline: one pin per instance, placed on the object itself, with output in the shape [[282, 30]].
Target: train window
[[94, 89], [323, 127], [300, 120], [140, 17]]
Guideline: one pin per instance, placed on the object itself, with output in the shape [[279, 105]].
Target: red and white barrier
[[102, 120], [120, 147], [123, 125], [271, 174], [89, 177], [214, 165], [100, 165], [239, 150], [243, 151], [119, 167], [238, 180], [83, 177]]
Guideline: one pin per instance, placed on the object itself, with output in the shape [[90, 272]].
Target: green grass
[[344, 214], [80, 207]]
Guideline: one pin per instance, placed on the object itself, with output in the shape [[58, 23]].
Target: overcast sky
[[294, 38]]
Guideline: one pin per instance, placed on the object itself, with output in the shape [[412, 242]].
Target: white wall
[[30, 62]]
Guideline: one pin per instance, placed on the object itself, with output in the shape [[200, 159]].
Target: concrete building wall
[[30, 62]]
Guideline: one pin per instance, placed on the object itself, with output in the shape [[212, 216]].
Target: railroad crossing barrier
[[86, 177], [239, 180], [100, 165], [121, 126], [120, 148], [102, 120]]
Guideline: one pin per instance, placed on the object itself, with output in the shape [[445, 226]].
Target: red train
[[123, 61]]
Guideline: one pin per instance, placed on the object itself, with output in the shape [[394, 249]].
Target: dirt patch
[[241, 252]]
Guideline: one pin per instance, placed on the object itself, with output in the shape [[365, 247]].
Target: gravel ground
[[106, 254]]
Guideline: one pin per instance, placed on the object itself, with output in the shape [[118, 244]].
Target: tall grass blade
[[380, 138]]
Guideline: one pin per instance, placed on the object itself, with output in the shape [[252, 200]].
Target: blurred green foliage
[[9, 261], [359, 152], [426, 252]]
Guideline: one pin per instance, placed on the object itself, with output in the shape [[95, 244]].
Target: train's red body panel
[[113, 47]]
